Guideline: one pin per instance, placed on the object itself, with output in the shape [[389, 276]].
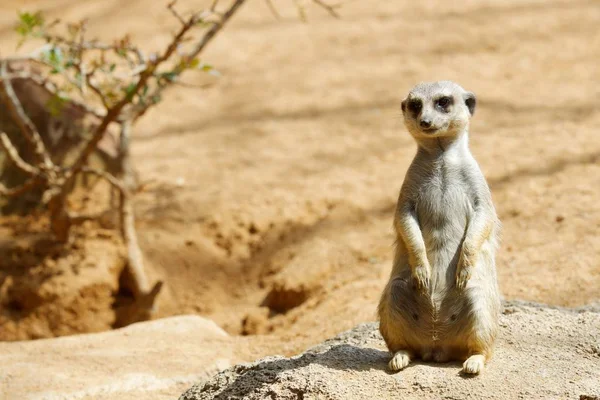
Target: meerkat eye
[[415, 106], [444, 102]]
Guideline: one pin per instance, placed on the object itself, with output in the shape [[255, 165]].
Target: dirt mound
[[50, 289], [559, 349]]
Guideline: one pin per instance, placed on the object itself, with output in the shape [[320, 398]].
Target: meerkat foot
[[474, 364], [422, 275], [399, 360]]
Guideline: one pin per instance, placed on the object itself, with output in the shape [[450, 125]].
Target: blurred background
[[269, 192]]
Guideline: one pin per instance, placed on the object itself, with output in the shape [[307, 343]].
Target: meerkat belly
[[443, 216]]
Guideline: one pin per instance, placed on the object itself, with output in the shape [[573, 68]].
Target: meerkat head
[[437, 109]]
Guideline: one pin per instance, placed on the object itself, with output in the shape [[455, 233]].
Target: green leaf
[[210, 69], [130, 89], [194, 63], [28, 22], [170, 76], [54, 58]]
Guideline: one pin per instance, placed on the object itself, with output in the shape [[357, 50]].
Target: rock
[[542, 353], [149, 360]]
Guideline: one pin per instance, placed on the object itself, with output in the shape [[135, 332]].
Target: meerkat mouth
[[429, 131]]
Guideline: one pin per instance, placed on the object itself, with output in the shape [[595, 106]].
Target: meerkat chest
[[444, 199]]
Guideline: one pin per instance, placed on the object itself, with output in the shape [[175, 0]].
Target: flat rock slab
[[543, 353], [148, 360]]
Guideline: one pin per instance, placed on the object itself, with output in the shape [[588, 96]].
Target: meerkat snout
[[425, 123], [438, 109]]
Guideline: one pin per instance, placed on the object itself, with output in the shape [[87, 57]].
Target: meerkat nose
[[425, 123]]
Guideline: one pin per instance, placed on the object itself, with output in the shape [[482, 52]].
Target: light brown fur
[[442, 300]]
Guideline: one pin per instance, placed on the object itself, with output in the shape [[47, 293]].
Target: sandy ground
[[271, 193]]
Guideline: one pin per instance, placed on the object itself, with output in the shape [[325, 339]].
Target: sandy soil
[[271, 193]]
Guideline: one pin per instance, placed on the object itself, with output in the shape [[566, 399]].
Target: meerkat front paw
[[474, 364], [422, 274], [399, 361], [463, 272]]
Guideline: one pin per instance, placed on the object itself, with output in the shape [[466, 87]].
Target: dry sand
[[271, 193]]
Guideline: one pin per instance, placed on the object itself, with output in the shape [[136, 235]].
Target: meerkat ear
[[403, 105], [470, 102]]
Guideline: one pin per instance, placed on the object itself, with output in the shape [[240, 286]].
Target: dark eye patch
[[443, 103], [415, 106]]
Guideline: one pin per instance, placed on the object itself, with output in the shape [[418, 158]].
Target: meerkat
[[442, 301]]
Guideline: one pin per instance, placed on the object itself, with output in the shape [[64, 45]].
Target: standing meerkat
[[442, 301]]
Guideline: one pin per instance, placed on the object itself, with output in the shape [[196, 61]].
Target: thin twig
[[215, 28], [33, 55], [171, 7], [19, 190], [106, 176], [329, 8], [115, 111], [22, 120], [273, 9], [89, 45], [192, 85], [62, 73], [134, 253], [52, 89], [96, 89], [208, 36], [14, 156]]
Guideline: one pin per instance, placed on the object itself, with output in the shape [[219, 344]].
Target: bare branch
[[106, 176], [192, 85], [51, 88], [95, 89], [19, 190], [14, 156], [330, 8], [301, 10], [125, 155], [171, 7], [208, 36], [95, 45], [33, 55], [273, 9], [115, 111], [215, 28], [213, 6], [134, 253], [22, 120], [135, 257]]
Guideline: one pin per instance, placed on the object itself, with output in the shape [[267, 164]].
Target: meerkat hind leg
[[399, 361], [474, 364]]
